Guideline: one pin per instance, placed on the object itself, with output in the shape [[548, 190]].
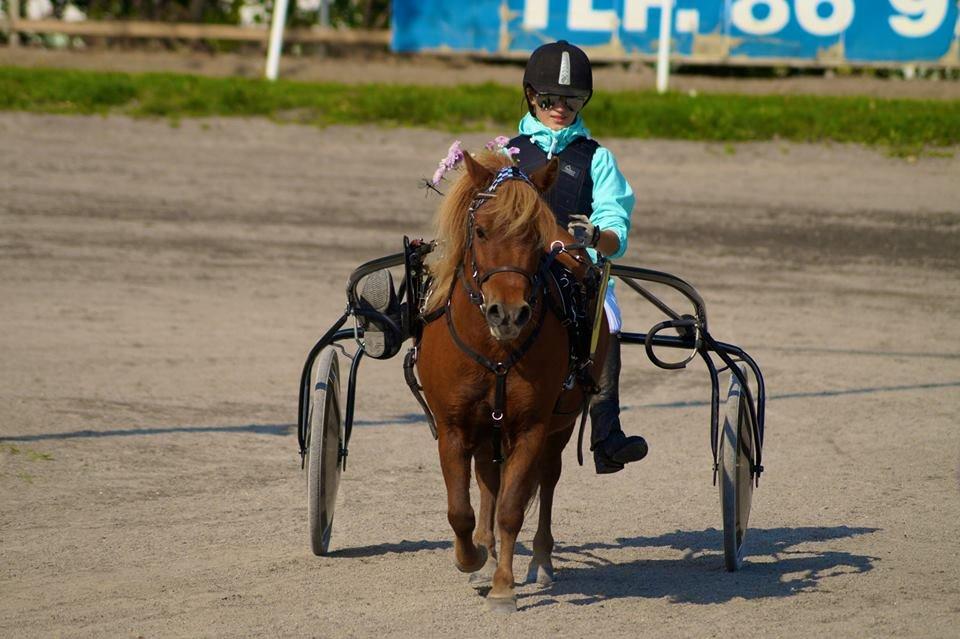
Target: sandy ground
[[431, 70], [161, 286]]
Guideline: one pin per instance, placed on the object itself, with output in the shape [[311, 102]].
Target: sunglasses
[[547, 101]]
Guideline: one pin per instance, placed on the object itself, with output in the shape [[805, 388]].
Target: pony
[[494, 372]]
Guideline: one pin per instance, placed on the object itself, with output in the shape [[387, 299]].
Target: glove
[[583, 230]]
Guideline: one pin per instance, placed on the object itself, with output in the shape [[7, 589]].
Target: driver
[[590, 196]]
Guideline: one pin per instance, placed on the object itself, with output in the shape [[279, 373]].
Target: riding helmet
[[559, 68]]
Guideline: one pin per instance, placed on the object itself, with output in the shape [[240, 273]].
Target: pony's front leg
[[517, 484], [455, 464], [488, 480]]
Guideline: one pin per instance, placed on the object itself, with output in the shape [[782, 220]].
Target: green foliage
[[213, 11], [366, 14], [369, 14], [894, 124]]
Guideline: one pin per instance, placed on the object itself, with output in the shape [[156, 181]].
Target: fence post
[[13, 16], [324, 24], [663, 51], [275, 48], [325, 14]]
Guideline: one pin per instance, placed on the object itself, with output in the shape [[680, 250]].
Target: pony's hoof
[[483, 578], [540, 573], [502, 605], [481, 561], [543, 575]]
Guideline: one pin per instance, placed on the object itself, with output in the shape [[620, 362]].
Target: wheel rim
[[736, 479], [325, 437]]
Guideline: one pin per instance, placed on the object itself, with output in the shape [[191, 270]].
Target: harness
[[570, 306]]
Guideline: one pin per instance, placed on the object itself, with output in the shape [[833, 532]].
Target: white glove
[[583, 230]]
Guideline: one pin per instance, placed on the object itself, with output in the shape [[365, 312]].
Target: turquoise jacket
[[613, 198]]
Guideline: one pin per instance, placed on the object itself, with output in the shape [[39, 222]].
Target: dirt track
[[160, 287]]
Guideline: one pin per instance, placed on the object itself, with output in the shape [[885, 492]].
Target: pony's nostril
[[523, 315], [494, 315]]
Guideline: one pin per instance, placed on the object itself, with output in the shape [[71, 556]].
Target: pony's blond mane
[[517, 209]]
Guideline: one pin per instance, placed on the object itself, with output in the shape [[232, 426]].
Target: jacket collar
[[552, 142]]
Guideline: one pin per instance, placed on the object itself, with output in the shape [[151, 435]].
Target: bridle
[[474, 284], [473, 287]]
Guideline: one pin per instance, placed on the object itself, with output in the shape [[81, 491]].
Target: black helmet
[[559, 68]]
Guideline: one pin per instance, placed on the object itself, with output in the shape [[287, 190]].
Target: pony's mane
[[516, 209]]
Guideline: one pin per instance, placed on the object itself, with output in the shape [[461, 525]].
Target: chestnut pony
[[493, 232]]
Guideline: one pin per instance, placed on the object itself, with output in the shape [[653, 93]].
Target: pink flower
[[454, 157], [512, 151], [497, 143]]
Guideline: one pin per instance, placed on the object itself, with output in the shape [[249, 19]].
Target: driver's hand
[[583, 230]]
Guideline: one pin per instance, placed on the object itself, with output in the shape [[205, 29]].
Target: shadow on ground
[[257, 429], [396, 547], [780, 562]]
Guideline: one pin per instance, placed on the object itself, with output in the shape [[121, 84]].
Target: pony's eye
[[480, 233]]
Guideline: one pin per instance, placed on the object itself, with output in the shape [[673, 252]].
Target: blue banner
[[828, 31]]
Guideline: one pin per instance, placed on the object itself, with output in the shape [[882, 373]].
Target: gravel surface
[[161, 286]]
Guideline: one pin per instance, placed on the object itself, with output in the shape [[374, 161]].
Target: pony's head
[[498, 244]]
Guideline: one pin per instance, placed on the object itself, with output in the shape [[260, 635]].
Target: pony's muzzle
[[507, 320]]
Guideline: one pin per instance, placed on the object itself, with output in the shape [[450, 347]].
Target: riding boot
[[611, 447]]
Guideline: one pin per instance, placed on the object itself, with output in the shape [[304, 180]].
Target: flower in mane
[[450, 162], [499, 145]]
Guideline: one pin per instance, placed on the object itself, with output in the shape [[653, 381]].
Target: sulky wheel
[[736, 480], [324, 441]]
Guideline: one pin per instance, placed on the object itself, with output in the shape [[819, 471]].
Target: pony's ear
[[543, 178], [479, 175]]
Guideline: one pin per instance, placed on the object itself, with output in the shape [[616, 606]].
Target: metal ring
[[553, 246], [497, 415]]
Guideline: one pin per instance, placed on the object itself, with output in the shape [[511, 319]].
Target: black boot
[[611, 447]]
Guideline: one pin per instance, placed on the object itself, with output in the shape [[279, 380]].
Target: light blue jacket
[[613, 198]]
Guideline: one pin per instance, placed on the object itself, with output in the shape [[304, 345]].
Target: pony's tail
[[533, 498], [530, 502]]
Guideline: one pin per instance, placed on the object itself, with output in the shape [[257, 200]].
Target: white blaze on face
[[564, 69]]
